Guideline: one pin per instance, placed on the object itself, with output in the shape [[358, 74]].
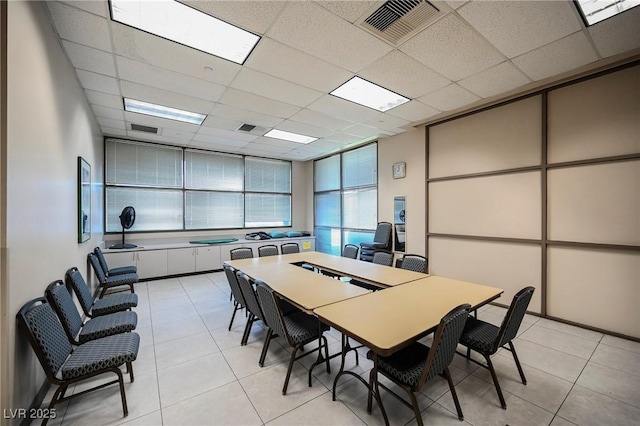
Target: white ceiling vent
[[252, 129], [146, 129], [397, 20]]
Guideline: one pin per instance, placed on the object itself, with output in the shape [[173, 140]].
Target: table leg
[[373, 383]]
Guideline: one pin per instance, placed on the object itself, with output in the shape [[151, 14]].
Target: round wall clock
[[399, 170]]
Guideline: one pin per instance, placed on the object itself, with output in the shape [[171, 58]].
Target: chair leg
[[416, 409], [286, 380], [326, 354], [452, 387], [247, 330], [265, 347], [515, 358], [130, 370], [123, 397], [494, 376], [233, 315]]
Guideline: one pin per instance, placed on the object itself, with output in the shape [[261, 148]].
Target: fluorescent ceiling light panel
[[368, 94], [183, 24], [288, 136], [163, 111], [595, 11]]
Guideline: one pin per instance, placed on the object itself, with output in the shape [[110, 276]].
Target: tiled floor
[[192, 371]]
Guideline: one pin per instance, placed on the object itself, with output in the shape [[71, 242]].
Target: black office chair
[[486, 338], [131, 269], [112, 281], [268, 250], [288, 248], [382, 257], [350, 251], [381, 241], [241, 253], [239, 302], [414, 262], [251, 303], [98, 307], [411, 367]]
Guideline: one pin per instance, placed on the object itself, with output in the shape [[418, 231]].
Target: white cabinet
[[181, 261], [150, 263], [208, 258]]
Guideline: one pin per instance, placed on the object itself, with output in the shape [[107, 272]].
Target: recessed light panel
[[594, 11], [183, 24], [368, 94], [288, 136], [160, 111]]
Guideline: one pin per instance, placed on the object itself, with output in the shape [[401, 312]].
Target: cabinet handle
[[138, 256]]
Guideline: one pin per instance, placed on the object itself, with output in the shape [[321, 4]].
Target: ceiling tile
[[274, 88], [413, 111], [231, 135], [452, 48], [343, 138], [516, 27], [299, 67], [402, 74], [384, 121], [164, 98], [110, 122], [362, 131], [303, 129], [90, 59], [315, 30], [98, 82], [455, 4], [315, 118], [148, 120], [148, 137], [81, 27], [349, 9], [271, 144], [110, 131], [561, 56], [245, 116], [153, 50], [116, 114], [95, 7], [449, 98], [221, 123], [495, 80], [104, 99], [256, 16], [242, 99], [177, 134], [618, 34], [222, 138], [149, 75], [339, 108], [213, 146]]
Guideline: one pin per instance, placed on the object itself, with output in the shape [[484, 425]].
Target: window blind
[[140, 164], [327, 173], [265, 175], [215, 171]]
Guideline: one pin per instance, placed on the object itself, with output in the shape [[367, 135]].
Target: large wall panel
[[497, 206], [596, 118], [595, 203], [497, 139], [600, 288], [511, 266]]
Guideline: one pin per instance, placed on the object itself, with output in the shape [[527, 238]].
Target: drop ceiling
[[472, 53]]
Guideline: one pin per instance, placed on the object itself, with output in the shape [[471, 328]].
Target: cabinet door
[[152, 263], [208, 258], [116, 260], [181, 261]]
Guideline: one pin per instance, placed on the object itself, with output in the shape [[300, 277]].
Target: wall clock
[[399, 170]]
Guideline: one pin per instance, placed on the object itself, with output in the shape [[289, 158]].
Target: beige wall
[[50, 124], [4, 299]]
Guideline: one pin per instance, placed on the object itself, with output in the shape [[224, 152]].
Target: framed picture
[[84, 200]]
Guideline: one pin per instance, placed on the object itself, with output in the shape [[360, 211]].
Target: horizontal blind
[[141, 164], [360, 167], [267, 210], [211, 210], [265, 175], [156, 209], [327, 209], [360, 209], [327, 174], [214, 171]]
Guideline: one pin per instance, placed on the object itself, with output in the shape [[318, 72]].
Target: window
[[346, 198], [175, 189]]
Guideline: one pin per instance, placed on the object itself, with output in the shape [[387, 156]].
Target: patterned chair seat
[[108, 325], [479, 334], [406, 365], [111, 351], [114, 303]]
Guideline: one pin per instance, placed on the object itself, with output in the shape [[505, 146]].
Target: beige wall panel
[[497, 139], [597, 203], [599, 288], [509, 266], [496, 206], [596, 118]]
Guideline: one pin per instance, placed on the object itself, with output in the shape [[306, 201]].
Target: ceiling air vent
[[246, 128], [397, 20], [146, 129]]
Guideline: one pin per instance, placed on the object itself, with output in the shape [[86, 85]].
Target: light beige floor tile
[[567, 343], [480, 406], [320, 411], [612, 383], [229, 339], [265, 390], [320, 371], [154, 418], [559, 421], [436, 414], [438, 386], [146, 336], [243, 360], [176, 329], [560, 364], [616, 358], [570, 329], [184, 349], [177, 301], [146, 361], [172, 314], [621, 343], [192, 378], [588, 408], [226, 405]]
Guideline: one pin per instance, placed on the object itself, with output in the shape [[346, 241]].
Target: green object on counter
[[217, 241]]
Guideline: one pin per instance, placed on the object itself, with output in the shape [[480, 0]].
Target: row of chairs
[[72, 349]]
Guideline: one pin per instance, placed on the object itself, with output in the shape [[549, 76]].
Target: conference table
[[410, 306]]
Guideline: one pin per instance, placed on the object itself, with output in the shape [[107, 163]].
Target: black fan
[[127, 219]]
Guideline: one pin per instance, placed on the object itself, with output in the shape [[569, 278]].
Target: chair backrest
[[62, 303], [383, 233], [249, 294], [241, 253], [74, 278], [515, 314], [233, 284], [445, 342], [383, 257], [45, 334], [271, 309], [268, 250], [101, 259], [414, 262], [287, 248], [97, 268], [350, 251]]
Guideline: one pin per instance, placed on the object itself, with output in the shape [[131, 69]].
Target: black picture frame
[[84, 200]]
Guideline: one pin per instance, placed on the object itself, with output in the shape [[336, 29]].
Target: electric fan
[[127, 218]]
